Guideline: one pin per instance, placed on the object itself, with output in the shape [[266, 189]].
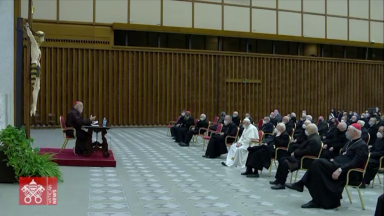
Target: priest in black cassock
[[310, 147], [380, 206], [331, 130], [288, 125], [332, 147], [220, 121], [377, 151], [268, 129], [326, 179], [322, 126], [180, 121], [259, 157], [181, 131], [236, 119], [202, 123], [301, 138], [216, 145]]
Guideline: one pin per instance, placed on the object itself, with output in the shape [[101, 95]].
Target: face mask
[[379, 135], [342, 121], [348, 135], [272, 117], [247, 117], [320, 120], [234, 116], [182, 114], [225, 122], [304, 126], [275, 131], [202, 119], [370, 123], [306, 133], [353, 120], [264, 122], [245, 126], [308, 119]]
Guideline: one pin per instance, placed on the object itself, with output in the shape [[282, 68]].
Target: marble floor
[[156, 177]]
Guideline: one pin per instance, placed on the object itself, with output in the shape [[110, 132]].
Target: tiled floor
[[156, 177]]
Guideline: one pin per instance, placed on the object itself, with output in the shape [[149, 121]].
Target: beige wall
[[354, 20]]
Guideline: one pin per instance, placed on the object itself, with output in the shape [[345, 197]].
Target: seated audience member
[[310, 147], [216, 145], [178, 123], [322, 126], [236, 119], [202, 123], [238, 153], [332, 114], [273, 119], [247, 115], [380, 206], [278, 117], [301, 138], [299, 125], [288, 125], [364, 131], [260, 156], [352, 120], [331, 130], [372, 130], [332, 146], [326, 179], [293, 120], [377, 151], [340, 114], [364, 117], [220, 121], [267, 128], [181, 131], [344, 119], [76, 121], [309, 117]]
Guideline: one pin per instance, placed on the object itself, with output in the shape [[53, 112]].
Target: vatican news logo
[[37, 191]]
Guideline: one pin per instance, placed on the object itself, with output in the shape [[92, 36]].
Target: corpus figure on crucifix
[[36, 38]]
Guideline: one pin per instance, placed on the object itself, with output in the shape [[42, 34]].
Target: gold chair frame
[[377, 174]]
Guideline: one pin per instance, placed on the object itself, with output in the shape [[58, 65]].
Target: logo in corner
[[37, 191]]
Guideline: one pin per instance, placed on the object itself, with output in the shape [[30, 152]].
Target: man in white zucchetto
[[237, 155]]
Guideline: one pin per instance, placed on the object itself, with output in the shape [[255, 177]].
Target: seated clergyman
[[177, 124], [326, 179], [291, 163], [332, 146], [238, 153], [202, 123], [75, 120], [299, 139], [181, 131], [260, 156]]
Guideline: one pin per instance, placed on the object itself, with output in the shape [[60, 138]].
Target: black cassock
[[75, 120], [380, 206], [259, 157], [325, 191], [216, 145], [377, 151]]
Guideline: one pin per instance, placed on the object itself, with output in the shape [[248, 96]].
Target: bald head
[[79, 106], [203, 117], [312, 129], [285, 119], [361, 123], [342, 126]]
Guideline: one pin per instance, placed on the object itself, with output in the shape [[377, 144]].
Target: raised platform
[[68, 158]]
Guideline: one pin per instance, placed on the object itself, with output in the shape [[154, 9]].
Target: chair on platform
[[64, 129], [207, 137], [357, 185], [170, 124], [307, 157], [380, 167]]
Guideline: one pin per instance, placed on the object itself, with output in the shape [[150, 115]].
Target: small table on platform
[[96, 146]]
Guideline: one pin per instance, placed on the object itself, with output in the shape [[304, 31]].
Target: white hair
[[307, 122], [293, 114], [361, 123], [309, 116], [203, 115], [355, 129], [268, 119], [228, 116], [343, 126], [312, 129], [281, 126], [247, 120]]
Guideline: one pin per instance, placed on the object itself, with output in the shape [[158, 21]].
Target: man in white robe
[[237, 155]]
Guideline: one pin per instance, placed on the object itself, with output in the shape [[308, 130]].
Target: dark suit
[[377, 151], [372, 132], [300, 139], [289, 128], [274, 121], [75, 120], [195, 131], [267, 128], [183, 129], [337, 142], [216, 145], [236, 120], [322, 127], [330, 133], [325, 191], [179, 122], [277, 142], [364, 134], [310, 147]]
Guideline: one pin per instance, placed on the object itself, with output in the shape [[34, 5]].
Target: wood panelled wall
[[150, 87]]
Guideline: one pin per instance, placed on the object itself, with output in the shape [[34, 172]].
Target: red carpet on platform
[[68, 158]]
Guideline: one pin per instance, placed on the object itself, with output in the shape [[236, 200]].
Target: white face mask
[[225, 122], [234, 115], [275, 131], [308, 119], [342, 121], [182, 114], [304, 126], [348, 135], [264, 122], [245, 126], [306, 133], [370, 123], [202, 119], [379, 135]]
